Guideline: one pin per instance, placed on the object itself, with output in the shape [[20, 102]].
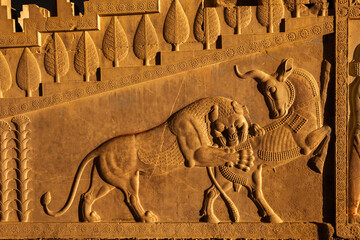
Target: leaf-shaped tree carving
[[206, 29], [115, 43], [86, 59], [5, 76], [269, 13], [176, 26], [146, 43], [56, 58], [28, 75], [298, 6], [238, 17]]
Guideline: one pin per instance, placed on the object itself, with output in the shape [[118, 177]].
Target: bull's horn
[[258, 75]]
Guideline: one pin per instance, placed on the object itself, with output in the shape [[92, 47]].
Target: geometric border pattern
[[343, 12], [167, 230]]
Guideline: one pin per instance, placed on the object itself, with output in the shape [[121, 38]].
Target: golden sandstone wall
[[180, 119]]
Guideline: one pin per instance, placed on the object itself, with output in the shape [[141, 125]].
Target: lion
[[185, 139]]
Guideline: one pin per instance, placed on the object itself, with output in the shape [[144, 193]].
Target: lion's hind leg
[[132, 200], [98, 189], [129, 184]]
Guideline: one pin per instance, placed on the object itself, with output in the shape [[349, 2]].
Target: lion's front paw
[[256, 130]]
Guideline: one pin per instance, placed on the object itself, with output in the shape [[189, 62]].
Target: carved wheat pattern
[[86, 57], [5, 76], [28, 75], [56, 58], [115, 43], [23, 170], [4, 171]]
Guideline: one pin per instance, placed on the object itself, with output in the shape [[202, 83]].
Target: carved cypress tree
[[296, 6], [206, 26], [176, 26], [86, 59], [5, 76], [56, 58], [146, 43], [238, 17], [269, 13], [28, 75], [115, 42]]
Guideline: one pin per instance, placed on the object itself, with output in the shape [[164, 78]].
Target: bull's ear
[[285, 69], [214, 113], [237, 108]]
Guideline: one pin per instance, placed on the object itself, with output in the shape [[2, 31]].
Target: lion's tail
[[46, 198]]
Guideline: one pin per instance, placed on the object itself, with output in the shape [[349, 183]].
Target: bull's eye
[[272, 89]]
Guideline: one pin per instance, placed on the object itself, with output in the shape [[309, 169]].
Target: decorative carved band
[[279, 156], [297, 123]]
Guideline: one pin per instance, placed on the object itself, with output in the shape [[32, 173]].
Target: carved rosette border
[[123, 7], [125, 230], [343, 228]]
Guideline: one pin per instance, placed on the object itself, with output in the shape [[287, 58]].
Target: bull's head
[[277, 91], [228, 130]]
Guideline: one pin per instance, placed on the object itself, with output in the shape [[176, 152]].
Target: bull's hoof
[[149, 217], [273, 219], [316, 164], [209, 219], [92, 217]]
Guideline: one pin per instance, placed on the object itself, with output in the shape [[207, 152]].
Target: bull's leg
[[131, 193], [210, 195], [318, 141], [95, 192], [258, 197]]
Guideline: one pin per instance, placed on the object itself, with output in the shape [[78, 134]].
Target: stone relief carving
[[86, 59], [22, 168], [6, 78], [115, 43], [146, 43], [280, 96], [146, 51], [206, 26], [15, 171], [56, 59], [176, 26], [354, 196], [269, 13], [238, 17], [28, 75], [299, 131], [119, 161], [5, 179]]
